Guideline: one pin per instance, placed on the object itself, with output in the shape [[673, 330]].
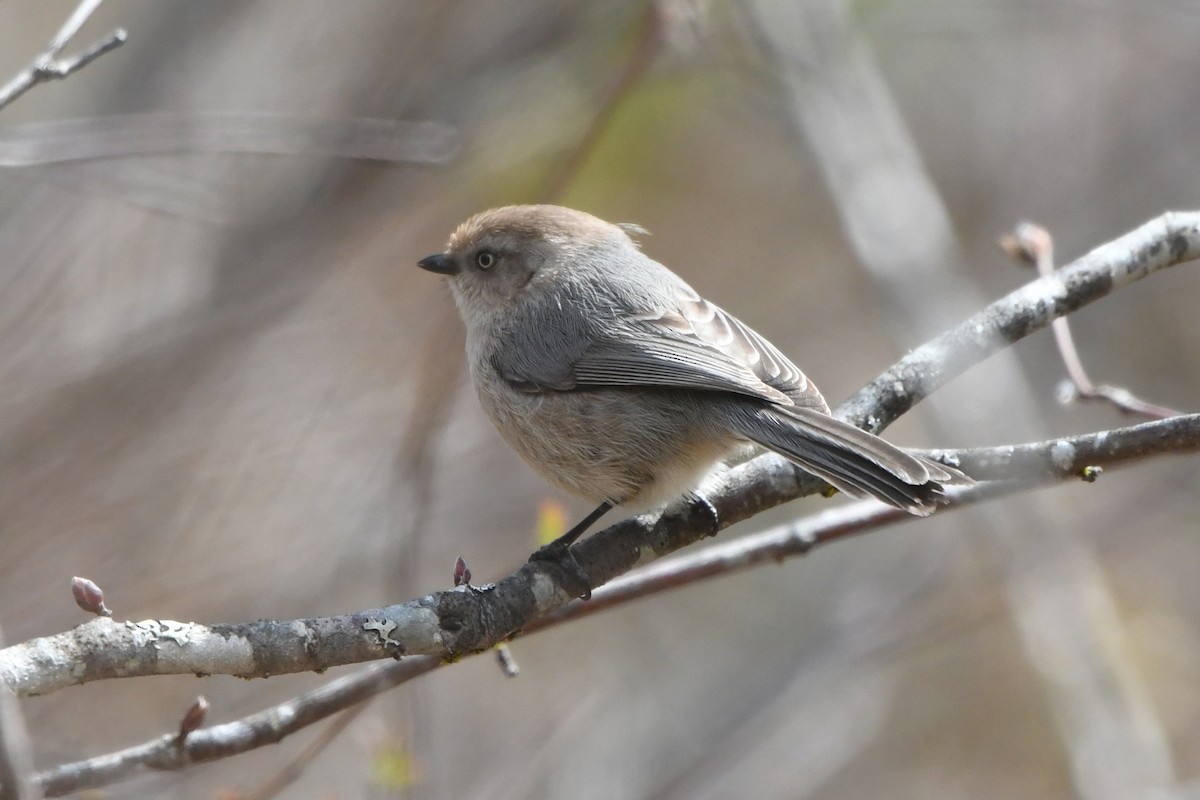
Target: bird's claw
[[560, 555]]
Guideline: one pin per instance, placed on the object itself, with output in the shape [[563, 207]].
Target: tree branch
[[48, 66], [1032, 244], [148, 134], [1165, 241]]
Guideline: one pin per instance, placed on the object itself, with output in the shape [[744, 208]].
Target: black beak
[[440, 263]]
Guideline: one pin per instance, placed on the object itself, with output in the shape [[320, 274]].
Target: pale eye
[[485, 259]]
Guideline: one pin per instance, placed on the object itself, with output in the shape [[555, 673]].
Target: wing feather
[[688, 342], [697, 320]]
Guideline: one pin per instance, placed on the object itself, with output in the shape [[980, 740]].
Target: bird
[[619, 383]]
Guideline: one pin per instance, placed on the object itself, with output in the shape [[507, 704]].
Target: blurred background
[[227, 393]]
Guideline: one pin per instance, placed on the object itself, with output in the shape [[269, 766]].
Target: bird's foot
[[699, 500], [559, 554]]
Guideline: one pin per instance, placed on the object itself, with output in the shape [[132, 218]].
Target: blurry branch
[[295, 768], [1032, 244], [413, 489], [1045, 462], [442, 366], [421, 142], [1065, 616], [650, 41], [468, 620], [48, 66], [16, 756]]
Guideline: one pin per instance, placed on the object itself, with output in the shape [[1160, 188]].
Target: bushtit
[[618, 382]]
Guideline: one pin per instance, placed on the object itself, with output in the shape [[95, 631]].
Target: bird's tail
[[849, 459]]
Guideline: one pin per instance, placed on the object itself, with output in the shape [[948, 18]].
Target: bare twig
[[208, 744], [645, 51], [1032, 244], [48, 66], [1165, 241], [295, 768], [363, 138]]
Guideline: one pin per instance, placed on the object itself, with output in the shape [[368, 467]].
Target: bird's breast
[[632, 447]]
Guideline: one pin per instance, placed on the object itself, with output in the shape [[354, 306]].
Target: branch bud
[[89, 597]]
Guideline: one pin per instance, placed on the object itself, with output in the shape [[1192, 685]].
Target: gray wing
[[692, 344]]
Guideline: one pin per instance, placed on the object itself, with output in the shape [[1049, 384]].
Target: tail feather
[[851, 460]]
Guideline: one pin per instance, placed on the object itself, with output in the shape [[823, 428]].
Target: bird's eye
[[485, 259]]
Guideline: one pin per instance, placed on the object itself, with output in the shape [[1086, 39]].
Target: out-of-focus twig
[[415, 467], [1032, 245], [292, 770], [439, 374], [16, 757], [218, 741], [417, 142], [48, 66], [649, 43], [1065, 614]]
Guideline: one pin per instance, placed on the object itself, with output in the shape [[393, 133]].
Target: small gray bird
[[618, 382]]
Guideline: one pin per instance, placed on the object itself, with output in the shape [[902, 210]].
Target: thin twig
[[1032, 244], [48, 66], [644, 52], [219, 741], [1168, 240], [71, 27], [156, 133], [295, 768]]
